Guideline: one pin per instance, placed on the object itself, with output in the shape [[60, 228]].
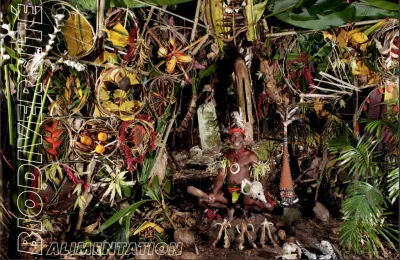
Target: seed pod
[[162, 52], [171, 65], [124, 84], [184, 59]]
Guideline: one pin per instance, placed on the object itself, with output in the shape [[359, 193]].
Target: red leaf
[[57, 133], [55, 123], [56, 144], [49, 139], [51, 151]]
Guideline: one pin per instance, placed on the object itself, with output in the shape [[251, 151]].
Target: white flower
[[21, 61], [52, 36], [59, 17], [56, 30], [60, 60], [6, 57], [35, 62], [2, 36], [48, 48], [80, 67], [51, 42], [6, 27], [12, 34]]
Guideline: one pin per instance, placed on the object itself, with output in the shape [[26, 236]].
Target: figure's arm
[[254, 160], [218, 181]]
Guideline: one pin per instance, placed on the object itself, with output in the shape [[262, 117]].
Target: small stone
[[188, 255], [321, 212], [282, 234]]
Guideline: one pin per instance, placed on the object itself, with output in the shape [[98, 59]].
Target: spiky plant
[[365, 227]]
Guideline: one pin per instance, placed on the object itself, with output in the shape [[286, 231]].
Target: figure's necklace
[[235, 167]]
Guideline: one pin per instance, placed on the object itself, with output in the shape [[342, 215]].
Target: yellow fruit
[[86, 140], [100, 149], [171, 65], [184, 59], [102, 137], [162, 52]]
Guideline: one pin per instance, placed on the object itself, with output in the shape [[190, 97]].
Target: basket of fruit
[[119, 93], [95, 139]]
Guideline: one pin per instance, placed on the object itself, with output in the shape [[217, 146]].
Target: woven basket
[[106, 76], [92, 128], [68, 9]]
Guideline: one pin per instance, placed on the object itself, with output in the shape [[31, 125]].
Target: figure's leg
[[250, 203], [219, 202]]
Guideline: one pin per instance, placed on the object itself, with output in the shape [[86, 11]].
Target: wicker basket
[[91, 128], [113, 75]]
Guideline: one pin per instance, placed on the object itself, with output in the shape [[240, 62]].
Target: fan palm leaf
[[393, 181]]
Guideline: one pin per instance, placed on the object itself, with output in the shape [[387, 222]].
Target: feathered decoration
[[237, 118]]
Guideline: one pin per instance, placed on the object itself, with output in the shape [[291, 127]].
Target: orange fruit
[[102, 136], [86, 140], [100, 149]]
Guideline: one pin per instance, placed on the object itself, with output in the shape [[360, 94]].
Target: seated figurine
[[227, 189]]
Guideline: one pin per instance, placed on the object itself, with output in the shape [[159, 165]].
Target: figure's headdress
[[237, 124]]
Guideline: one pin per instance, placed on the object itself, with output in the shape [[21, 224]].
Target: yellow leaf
[[118, 35], [132, 78], [78, 34], [318, 106], [329, 35], [342, 38], [391, 91], [68, 84], [359, 68], [129, 106], [106, 56], [119, 93], [110, 106], [104, 94], [146, 225], [357, 38]]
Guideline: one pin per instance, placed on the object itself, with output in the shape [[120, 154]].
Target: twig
[[168, 12], [331, 90], [196, 20], [100, 18], [199, 46], [147, 20]]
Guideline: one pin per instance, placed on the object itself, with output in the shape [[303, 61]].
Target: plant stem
[[38, 123], [196, 20], [25, 147], [9, 109]]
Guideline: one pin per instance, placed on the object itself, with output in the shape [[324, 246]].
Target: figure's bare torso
[[245, 161]]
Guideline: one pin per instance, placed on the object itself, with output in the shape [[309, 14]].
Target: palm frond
[[364, 201], [358, 159], [376, 126], [364, 226], [393, 181]]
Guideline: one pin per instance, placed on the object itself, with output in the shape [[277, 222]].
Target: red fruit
[[396, 109], [380, 90], [368, 101], [357, 127], [365, 107]]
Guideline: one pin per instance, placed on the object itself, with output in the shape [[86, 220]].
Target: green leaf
[[11, 52], [209, 71], [382, 4], [167, 187], [258, 10], [13, 68], [119, 215]]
